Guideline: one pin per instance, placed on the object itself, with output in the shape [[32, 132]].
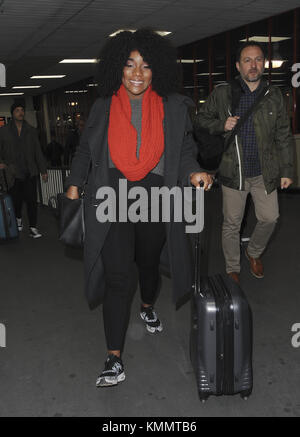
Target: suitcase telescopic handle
[[201, 254], [197, 277]]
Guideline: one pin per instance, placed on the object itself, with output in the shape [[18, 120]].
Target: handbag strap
[[244, 118]]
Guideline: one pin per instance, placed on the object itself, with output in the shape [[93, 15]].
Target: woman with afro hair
[[136, 133]]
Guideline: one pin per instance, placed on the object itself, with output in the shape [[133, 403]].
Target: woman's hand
[[206, 178], [285, 182], [72, 192]]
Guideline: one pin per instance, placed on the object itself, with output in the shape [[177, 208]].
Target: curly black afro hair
[[155, 50]]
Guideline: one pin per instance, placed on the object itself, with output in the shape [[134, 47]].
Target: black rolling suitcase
[[221, 334], [8, 222]]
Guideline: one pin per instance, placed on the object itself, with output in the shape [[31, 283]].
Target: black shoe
[[113, 372], [153, 324]]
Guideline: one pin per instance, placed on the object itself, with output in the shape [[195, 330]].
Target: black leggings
[[25, 191], [126, 243]]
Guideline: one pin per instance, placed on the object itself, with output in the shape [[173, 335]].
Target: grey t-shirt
[[136, 120]]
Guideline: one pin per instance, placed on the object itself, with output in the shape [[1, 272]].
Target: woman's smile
[[137, 75]]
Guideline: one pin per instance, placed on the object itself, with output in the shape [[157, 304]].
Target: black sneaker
[[153, 324], [113, 372]]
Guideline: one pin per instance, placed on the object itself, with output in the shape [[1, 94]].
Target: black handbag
[[71, 220], [211, 147]]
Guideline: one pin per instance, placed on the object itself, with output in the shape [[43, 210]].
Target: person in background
[[258, 160], [138, 131], [22, 158], [73, 140], [54, 152]]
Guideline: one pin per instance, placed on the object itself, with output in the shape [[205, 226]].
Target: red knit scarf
[[122, 136]]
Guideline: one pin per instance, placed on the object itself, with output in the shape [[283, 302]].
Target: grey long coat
[[91, 163]]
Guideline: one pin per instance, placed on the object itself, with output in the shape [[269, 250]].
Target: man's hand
[[45, 177], [2, 166], [230, 123], [285, 182], [72, 192], [196, 178]]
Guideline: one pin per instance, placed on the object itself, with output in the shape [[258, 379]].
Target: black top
[[22, 170]]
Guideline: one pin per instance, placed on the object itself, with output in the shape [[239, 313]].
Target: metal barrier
[[47, 191]]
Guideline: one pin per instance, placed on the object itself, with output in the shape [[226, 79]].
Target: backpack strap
[[244, 118]]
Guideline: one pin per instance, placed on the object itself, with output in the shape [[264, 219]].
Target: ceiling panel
[[37, 34]]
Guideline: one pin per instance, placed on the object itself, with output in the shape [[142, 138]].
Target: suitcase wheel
[[245, 395], [203, 398]]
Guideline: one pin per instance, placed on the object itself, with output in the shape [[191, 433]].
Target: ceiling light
[[53, 76], [79, 61], [163, 32], [266, 38], [26, 86], [76, 91], [189, 61], [207, 74], [275, 63], [11, 94], [121, 30], [160, 32]]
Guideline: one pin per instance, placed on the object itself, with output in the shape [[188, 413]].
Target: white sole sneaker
[[153, 330], [109, 381], [20, 225], [34, 233]]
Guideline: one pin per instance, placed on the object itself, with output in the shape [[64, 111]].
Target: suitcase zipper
[[228, 340], [220, 352]]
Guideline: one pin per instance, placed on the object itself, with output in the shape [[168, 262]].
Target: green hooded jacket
[[273, 133]]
